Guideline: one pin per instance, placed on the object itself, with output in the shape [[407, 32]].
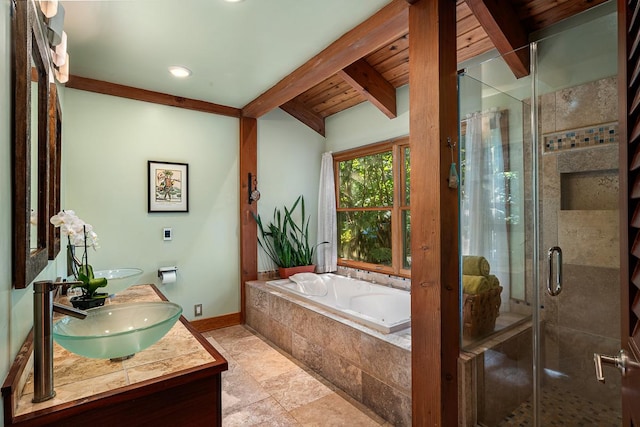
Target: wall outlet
[[197, 310]]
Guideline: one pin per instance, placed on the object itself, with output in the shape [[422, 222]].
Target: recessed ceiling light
[[179, 71], [233, 1]]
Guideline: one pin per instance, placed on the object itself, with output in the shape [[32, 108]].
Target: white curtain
[[483, 194], [327, 254]]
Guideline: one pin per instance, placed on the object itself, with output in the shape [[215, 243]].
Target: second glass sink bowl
[[116, 330], [118, 279]]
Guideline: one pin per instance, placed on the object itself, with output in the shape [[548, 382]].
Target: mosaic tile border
[[606, 133]]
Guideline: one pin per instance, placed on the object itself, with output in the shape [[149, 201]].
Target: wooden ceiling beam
[[502, 25], [113, 89], [298, 110], [368, 82], [387, 25]]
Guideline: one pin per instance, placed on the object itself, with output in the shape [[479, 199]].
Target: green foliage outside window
[[367, 182], [407, 176], [366, 188], [365, 236]]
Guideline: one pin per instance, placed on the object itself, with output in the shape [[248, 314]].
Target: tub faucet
[[43, 308]]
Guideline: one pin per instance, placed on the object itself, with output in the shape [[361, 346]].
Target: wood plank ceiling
[[482, 25]]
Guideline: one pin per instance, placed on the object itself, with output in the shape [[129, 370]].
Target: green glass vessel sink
[[116, 330]]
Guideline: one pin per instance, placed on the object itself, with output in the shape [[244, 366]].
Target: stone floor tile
[[221, 349], [248, 348], [264, 387], [332, 411], [267, 365], [266, 412], [295, 388], [239, 389], [229, 335]]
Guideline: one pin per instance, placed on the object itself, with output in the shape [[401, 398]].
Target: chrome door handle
[[621, 361], [555, 288]]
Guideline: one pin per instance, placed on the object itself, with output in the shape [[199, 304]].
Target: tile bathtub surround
[[264, 386], [77, 377], [372, 368]]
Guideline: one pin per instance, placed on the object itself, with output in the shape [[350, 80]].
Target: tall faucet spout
[[43, 308], [69, 311]]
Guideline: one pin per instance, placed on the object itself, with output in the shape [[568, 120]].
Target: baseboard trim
[[212, 323]]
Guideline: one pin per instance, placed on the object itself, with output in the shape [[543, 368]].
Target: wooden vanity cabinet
[[187, 397]]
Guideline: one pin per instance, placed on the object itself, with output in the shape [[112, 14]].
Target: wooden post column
[[248, 228], [434, 213]]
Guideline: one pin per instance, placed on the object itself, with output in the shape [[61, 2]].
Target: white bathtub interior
[[381, 308]]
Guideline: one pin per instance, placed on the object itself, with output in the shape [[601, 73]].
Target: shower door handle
[[554, 284], [622, 361]]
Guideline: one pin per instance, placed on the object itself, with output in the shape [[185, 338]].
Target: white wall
[[7, 345], [365, 124], [16, 305], [107, 142], [289, 155]]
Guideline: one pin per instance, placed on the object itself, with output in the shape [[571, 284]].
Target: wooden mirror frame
[[55, 165], [29, 45]]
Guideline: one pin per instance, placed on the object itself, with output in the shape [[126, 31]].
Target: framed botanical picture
[[168, 186]]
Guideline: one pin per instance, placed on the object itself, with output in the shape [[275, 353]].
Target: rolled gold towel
[[475, 266], [474, 284], [493, 281]]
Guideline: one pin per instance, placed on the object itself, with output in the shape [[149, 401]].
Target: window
[[374, 219]]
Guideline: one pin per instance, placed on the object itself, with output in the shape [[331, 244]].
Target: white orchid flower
[[91, 238], [63, 217], [75, 229], [77, 240], [56, 220]]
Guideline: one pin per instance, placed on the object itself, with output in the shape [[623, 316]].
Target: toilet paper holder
[[163, 270]]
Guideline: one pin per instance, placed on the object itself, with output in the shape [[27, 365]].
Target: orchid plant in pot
[[286, 242], [81, 235]]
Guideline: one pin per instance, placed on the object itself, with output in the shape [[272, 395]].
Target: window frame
[[397, 147]]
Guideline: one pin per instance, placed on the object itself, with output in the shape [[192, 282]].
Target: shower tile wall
[[576, 107], [580, 214]]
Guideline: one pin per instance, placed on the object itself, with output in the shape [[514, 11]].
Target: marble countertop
[[77, 377]]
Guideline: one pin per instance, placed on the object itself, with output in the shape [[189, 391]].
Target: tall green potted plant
[[286, 242]]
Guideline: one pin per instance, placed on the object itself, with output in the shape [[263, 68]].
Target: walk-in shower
[[539, 201]]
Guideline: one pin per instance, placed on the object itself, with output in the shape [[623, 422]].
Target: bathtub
[[378, 307]]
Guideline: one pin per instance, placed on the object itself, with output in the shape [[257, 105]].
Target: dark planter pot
[[285, 272], [84, 303]]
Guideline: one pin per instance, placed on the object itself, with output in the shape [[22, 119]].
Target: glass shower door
[[496, 335], [576, 133]]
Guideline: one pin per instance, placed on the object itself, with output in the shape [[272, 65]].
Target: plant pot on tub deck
[[286, 242], [285, 272]]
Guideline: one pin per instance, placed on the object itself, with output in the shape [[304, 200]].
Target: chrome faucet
[[43, 308]]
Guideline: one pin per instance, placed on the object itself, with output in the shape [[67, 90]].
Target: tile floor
[[565, 408], [264, 387]]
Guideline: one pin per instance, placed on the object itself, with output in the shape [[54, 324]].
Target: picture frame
[[168, 186]]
